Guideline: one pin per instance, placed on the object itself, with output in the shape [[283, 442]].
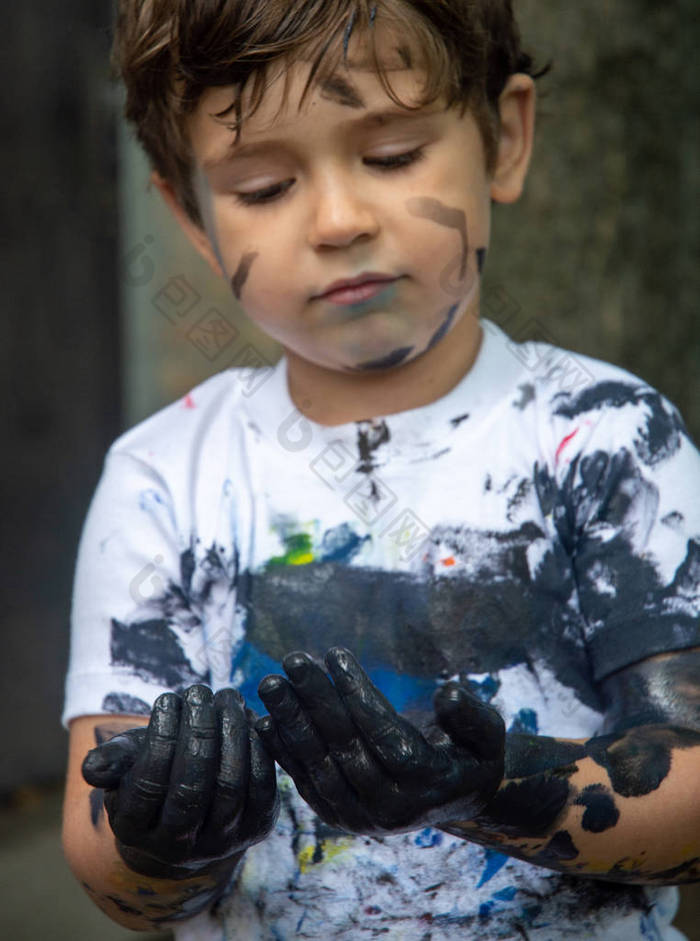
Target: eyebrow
[[372, 119]]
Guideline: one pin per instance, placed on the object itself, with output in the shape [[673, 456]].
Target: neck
[[329, 397]]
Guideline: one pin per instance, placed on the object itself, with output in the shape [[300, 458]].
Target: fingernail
[[272, 689], [295, 665]]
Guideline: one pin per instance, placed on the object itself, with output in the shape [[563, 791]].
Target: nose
[[340, 213]]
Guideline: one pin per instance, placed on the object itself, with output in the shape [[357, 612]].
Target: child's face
[[330, 212]]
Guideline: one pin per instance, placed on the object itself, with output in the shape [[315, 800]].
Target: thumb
[[470, 722], [105, 765]]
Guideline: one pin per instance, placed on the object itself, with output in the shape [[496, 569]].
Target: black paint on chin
[[393, 359], [444, 329], [241, 276]]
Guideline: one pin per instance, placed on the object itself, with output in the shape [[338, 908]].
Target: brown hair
[[168, 52]]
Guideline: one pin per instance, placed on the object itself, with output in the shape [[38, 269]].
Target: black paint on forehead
[[241, 276], [342, 92]]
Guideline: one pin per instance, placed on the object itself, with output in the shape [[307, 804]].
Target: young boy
[[502, 574]]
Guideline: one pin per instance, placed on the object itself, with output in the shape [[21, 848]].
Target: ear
[[197, 236], [516, 107]]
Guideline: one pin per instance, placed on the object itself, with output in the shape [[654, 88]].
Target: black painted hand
[[193, 787], [364, 768]]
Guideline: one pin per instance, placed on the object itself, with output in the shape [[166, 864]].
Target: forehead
[[353, 85]]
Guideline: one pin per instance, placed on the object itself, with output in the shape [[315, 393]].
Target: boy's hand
[[193, 787], [364, 768]]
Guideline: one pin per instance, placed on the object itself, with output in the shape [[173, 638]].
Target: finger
[[395, 742], [105, 765], [321, 700], [262, 803], [470, 722], [143, 789], [231, 783], [323, 787], [295, 728], [194, 768]]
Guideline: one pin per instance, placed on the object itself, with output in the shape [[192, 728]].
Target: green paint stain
[[298, 551]]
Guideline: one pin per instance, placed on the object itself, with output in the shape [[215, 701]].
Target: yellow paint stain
[[330, 849]]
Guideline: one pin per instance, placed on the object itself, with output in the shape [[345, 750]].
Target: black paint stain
[[393, 359], [96, 805], [427, 208], [152, 651], [527, 755], [560, 848], [370, 437], [340, 91], [601, 813], [529, 807], [238, 281], [662, 429], [655, 692], [443, 330], [456, 422], [124, 703], [639, 761], [481, 254], [527, 391]]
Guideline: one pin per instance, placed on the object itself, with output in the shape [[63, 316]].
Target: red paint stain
[[448, 562], [189, 402], [565, 442]]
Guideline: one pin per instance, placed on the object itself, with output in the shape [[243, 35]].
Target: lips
[[362, 280]]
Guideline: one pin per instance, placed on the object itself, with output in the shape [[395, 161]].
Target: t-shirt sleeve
[[628, 511], [137, 626]]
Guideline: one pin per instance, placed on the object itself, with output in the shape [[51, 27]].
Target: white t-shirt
[[531, 532]]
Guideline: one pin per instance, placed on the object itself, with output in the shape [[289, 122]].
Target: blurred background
[[110, 315]]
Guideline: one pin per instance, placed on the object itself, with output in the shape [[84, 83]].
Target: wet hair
[[169, 52]]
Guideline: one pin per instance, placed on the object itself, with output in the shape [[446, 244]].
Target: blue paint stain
[[485, 689], [505, 895], [341, 544], [494, 863], [485, 911], [254, 665], [525, 722], [403, 692], [428, 838]]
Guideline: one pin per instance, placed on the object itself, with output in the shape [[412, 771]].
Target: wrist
[[154, 868]]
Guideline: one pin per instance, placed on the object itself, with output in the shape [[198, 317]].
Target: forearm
[[625, 807], [138, 902]]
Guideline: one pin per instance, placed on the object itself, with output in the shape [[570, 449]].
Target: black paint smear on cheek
[[238, 281], [443, 330], [426, 208], [481, 254], [601, 813]]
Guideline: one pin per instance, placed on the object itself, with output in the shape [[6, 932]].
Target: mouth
[[357, 290]]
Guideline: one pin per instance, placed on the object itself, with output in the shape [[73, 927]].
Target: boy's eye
[[393, 163]]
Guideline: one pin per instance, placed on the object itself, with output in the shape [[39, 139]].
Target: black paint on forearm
[[601, 812]]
